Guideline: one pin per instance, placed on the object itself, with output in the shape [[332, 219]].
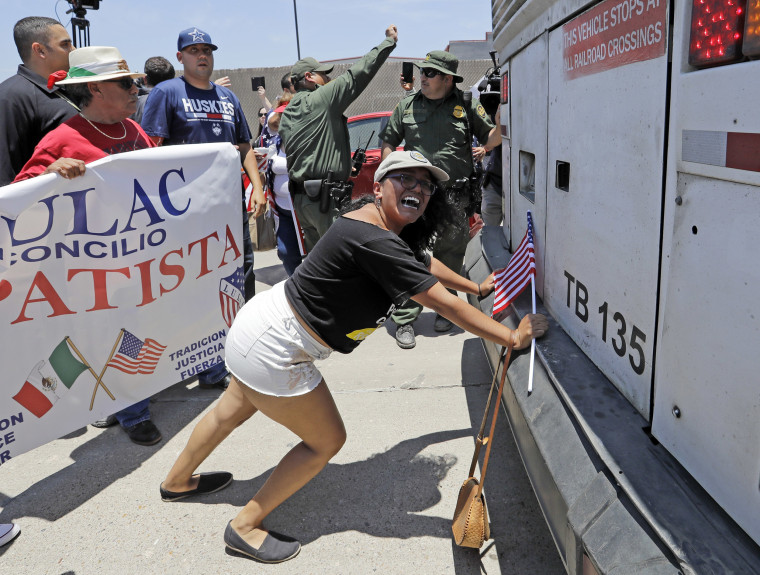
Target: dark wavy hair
[[440, 218]]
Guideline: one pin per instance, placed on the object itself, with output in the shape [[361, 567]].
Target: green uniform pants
[[450, 251], [313, 222]]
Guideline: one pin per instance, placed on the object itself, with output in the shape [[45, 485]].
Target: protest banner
[[114, 285]]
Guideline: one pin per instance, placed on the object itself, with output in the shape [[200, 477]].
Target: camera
[[490, 87]]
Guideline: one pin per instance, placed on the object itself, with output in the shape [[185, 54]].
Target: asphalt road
[[88, 503]]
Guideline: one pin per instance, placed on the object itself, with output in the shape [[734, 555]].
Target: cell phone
[[407, 72], [257, 81]]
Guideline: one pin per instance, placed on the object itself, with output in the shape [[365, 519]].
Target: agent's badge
[[458, 112]]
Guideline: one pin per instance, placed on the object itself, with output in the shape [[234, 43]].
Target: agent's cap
[[403, 159], [443, 62], [192, 36], [304, 65], [96, 64]]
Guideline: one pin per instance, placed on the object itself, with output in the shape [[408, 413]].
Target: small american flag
[[510, 281], [231, 296], [136, 355]]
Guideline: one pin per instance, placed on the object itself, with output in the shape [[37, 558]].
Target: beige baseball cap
[[404, 159]]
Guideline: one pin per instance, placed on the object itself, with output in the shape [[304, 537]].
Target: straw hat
[[96, 64]]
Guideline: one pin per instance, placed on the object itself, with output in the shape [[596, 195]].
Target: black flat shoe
[[208, 483], [221, 384], [144, 433], [275, 549]]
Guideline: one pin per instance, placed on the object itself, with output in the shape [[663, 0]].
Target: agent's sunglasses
[[125, 83], [410, 182], [430, 72]]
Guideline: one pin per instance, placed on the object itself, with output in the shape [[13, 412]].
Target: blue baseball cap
[[192, 36]]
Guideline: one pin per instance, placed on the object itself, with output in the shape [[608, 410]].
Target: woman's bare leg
[[233, 409], [315, 419]]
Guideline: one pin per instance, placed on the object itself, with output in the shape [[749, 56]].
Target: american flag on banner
[[231, 296], [510, 281], [136, 355]]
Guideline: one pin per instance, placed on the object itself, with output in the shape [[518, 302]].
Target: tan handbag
[[470, 525]]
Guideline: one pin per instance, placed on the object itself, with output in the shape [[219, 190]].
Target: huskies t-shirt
[[353, 280], [183, 114]]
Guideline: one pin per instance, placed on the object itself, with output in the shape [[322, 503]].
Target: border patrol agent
[[439, 122], [315, 135]]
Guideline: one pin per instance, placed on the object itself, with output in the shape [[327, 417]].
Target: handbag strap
[[479, 439], [506, 352]]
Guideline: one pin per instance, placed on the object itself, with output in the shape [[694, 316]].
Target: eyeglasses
[[430, 72], [410, 182], [125, 83], [261, 115]]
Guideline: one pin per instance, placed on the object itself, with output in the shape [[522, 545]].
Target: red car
[[360, 128]]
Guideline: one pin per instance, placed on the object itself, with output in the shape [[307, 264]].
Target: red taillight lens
[[717, 28], [751, 45], [505, 86]]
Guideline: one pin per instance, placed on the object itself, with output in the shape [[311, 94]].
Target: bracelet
[[479, 293], [516, 338]]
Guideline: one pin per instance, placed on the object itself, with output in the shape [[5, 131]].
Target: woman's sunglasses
[[125, 83], [409, 182]]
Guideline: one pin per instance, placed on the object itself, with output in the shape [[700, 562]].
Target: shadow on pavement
[[102, 461], [271, 275], [518, 535], [380, 496]]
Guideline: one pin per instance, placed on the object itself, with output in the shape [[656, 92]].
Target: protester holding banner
[[101, 84], [371, 260]]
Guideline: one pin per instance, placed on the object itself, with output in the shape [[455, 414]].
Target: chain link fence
[[382, 94]]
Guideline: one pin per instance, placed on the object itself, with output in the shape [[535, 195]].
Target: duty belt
[[322, 190]]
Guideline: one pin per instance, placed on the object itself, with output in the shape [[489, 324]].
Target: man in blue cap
[[193, 110]]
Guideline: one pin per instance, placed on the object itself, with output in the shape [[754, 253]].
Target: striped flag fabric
[[137, 356], [510, 281], [50, 379], [231, 296]]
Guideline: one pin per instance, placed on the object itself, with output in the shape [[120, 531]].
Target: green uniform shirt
[[313, 128], [438, 130]]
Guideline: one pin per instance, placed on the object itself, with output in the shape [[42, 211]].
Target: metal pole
[[298, 43]]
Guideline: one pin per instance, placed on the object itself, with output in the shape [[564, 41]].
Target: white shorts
[[269, 350]]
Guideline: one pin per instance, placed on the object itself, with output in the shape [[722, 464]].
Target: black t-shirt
[[353, 280], [29, 110]]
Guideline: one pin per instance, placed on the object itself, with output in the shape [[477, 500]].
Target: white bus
[[631, 133]]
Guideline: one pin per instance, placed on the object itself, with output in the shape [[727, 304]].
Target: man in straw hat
[[101, 84], [315, 134], [30, 108], [439, 122]]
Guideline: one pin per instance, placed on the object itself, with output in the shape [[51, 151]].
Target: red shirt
[[77, 138]]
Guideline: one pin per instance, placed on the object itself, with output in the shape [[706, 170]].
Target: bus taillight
[[717, 29], [751, 46]]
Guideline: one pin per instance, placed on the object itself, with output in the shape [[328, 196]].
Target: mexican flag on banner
[[50, 379]]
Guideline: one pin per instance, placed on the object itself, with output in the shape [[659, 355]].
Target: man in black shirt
[[30, 109]]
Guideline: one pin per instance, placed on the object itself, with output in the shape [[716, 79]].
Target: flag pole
[[533, 341], [84, 361], [98, 380]]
